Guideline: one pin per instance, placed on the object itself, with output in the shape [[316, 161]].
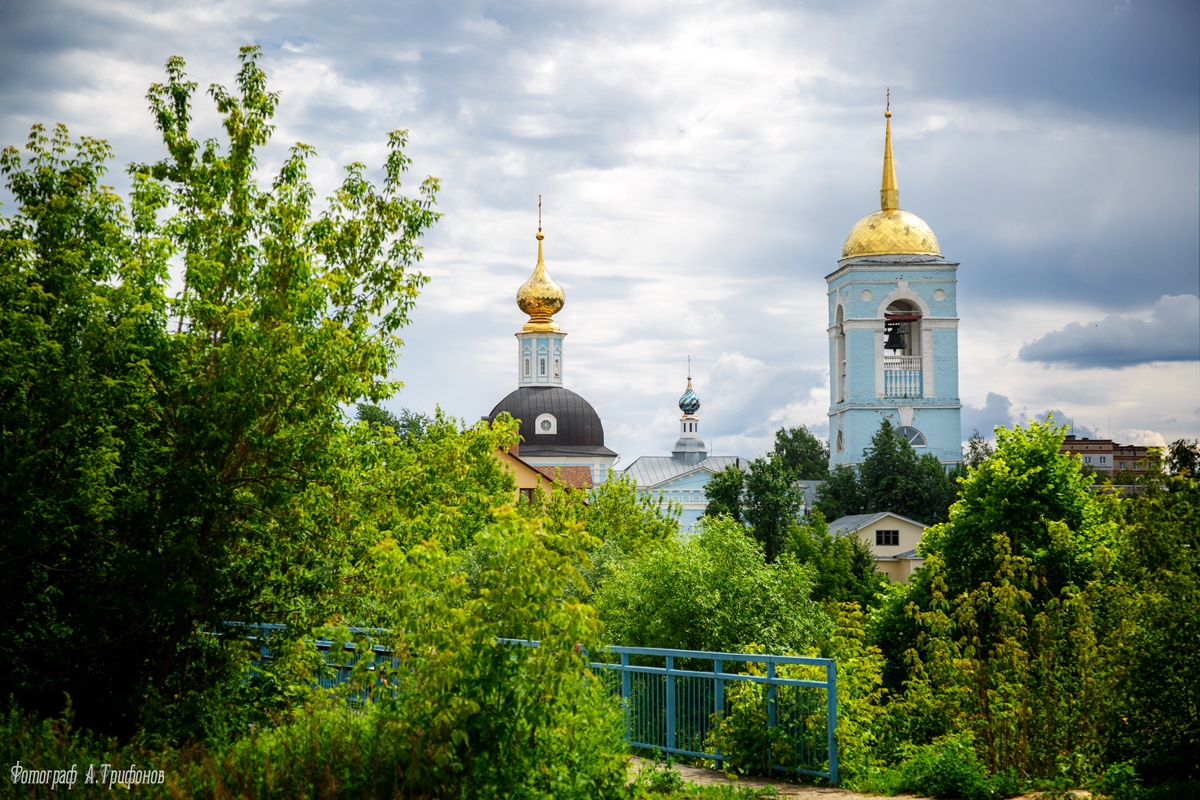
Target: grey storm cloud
[[996, 411], [1059, 417], [1171, 333], [701, 165]]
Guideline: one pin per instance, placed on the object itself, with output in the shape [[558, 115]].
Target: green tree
[[211, 474], [724, 493], [474, 716], [1155, 645], [978, 450], [765, 497], [772, 503], [803, 456], [840, 495], [1184, 455], [1019, 492], [712, 591], [892, 478], [620, 522], [82, 325], [409, 425], [845, 567]]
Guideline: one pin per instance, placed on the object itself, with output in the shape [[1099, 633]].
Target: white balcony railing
[[902, 376]]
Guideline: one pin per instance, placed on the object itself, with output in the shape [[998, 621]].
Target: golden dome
[[890, 231], [540, 297]]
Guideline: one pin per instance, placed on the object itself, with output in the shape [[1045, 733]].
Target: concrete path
[[712, 777]]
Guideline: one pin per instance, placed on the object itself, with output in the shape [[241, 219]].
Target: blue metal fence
[[671, 703], [676, 706]]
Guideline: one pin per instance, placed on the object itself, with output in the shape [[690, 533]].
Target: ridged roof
[[579, 428], [649, 471]]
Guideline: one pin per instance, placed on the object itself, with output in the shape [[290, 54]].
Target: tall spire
[[889, 195]]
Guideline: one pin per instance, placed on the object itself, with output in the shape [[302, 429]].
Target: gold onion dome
[[540, 297], [890, 231]]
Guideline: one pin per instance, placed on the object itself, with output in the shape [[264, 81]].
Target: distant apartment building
[[1107, 456]]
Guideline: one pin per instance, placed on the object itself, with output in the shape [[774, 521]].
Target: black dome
[[579, 429]]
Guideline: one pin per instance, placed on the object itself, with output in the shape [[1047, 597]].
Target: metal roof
[[579, 429], [650, 471]]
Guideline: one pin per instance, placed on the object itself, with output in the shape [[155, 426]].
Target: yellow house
[[892, 538], [529, 478]]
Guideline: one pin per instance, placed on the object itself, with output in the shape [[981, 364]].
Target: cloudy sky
[[701, 164]]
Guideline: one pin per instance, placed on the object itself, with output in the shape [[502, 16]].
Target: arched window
[[913, 436]]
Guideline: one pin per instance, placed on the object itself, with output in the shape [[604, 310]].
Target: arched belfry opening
[[902, 350]]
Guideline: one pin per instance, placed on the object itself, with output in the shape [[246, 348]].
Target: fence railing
[[672, 704], [676, 707]]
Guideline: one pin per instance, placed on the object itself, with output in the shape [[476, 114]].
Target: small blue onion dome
[[689, 403]]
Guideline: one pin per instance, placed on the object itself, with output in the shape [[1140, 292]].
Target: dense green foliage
[[891, 477], [409, 425], [803, 456], [712, 591], [845, 567], [1034, 625], [765, 497], [978, 450], [1183, 457], [725, 493], [166, 474]]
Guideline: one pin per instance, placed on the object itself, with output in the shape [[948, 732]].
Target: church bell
[[895, 335]]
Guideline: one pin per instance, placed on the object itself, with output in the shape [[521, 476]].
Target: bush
[[471, 714], [712, 591], [948, 767]]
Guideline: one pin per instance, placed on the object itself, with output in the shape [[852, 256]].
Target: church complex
[[893, 354]]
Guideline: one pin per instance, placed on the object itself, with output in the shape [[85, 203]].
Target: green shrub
[[1120, 782], [948, 767], [742, 736], [712, 591], [475, 715]]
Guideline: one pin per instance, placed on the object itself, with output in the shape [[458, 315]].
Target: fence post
[[718, 700], [626, 700], [670, 704], [831, 722], [771, 720]]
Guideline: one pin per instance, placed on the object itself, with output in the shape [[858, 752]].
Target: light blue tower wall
[[923, 396], [540, 358]]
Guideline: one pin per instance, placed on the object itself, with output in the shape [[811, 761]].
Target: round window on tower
[[545, 424], [911, 435]]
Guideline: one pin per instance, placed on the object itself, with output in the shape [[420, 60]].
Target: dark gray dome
[[576, 428]]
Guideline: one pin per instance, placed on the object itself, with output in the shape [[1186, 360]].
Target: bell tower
[[893, 333]]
